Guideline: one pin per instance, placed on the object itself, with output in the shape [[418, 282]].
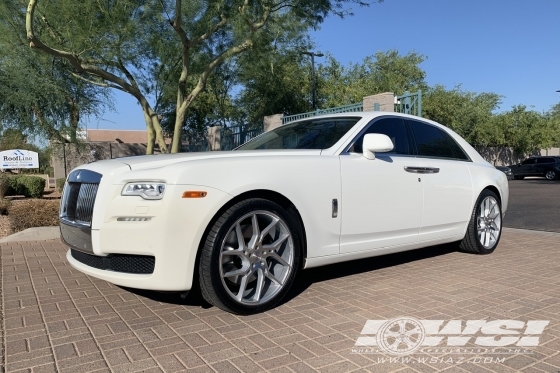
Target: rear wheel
[[551, 175], [250, 257], [485, 226]]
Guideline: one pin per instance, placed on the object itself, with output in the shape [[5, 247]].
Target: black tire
[[471, 242], [551, 175], [213, 289], [519, 177]]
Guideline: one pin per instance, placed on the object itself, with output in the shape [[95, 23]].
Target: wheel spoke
[[256, 233], [233, 253], [492, 204], [242, 287], [415, 330], [406, 340], [273, 278], [259, 286], [496, 213], [236, 272], [240, 238], [393, 334], [279, 259], [269, 228], [395, 344], [276, 244]]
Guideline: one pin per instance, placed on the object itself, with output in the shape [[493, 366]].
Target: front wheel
[[551, 175], [250, 257], [519, 177], [485, 227]]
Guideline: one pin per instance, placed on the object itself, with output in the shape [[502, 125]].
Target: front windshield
[[309, 134]]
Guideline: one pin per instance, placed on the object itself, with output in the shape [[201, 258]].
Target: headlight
[[146, 190]]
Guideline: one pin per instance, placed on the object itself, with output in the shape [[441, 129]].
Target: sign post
[[19, 159]]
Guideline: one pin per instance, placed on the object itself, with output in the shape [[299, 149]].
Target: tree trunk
[[155, 132], [74, 119], [178, 129]]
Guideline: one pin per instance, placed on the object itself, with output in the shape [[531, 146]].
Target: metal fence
[[409, 103], [334, 110], [232, 137]]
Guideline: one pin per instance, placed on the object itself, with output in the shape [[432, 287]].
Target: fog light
[[133, 218]]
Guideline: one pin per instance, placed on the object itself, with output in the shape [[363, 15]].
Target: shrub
[[60, 184], [33, 186], [4, 206], [33, 213], [29, 186], [14, 188], [4, 185]]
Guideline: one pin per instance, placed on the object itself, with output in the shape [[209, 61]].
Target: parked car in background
[[319, 191], [505, 170], [543, 166]]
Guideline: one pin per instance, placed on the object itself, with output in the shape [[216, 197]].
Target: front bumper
[[171, 235]]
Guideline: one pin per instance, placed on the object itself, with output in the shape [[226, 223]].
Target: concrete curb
[[531, 231], [33, 234]]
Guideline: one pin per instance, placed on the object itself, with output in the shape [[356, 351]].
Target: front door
[[381, 202]]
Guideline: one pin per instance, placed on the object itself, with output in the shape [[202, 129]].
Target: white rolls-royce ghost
[[317, 191]]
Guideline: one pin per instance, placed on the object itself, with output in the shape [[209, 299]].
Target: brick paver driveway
[[58, 319]]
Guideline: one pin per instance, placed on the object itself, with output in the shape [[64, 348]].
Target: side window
[[545, 160], [529, 161], [394, 128], [430, 140], [458, 152]]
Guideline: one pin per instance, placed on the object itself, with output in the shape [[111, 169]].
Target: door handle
[[422, 170]]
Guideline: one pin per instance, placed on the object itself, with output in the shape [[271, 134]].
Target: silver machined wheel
[[489, 222], [550, 175], [256, 257]]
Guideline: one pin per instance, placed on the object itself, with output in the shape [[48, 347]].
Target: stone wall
[[385, 100], [272, 121], [66, 157]]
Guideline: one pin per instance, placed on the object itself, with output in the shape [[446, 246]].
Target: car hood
[[162, 160]]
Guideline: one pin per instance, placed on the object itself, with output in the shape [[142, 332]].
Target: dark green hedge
[[60, 184], [28, 186]]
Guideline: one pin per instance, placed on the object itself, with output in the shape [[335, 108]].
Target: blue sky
[[510, 47]]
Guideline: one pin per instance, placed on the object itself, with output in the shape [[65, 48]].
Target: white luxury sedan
[[318, 191]]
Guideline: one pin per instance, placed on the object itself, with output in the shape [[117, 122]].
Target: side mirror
[[376, 142]]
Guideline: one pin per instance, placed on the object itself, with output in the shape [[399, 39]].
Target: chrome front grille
[[85, 201], [78, 197]]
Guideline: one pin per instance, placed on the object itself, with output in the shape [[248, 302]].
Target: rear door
[[448, 191], [544, 164]]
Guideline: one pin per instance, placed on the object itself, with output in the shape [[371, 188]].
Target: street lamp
[[313, 90]]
